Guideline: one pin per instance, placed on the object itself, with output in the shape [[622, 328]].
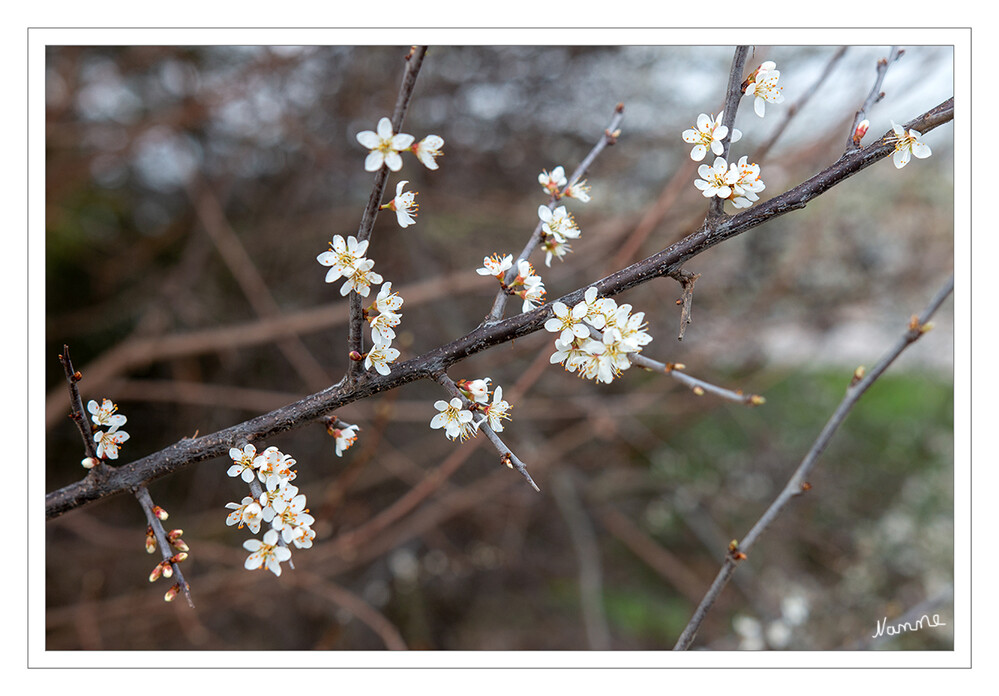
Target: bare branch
[[798, 482], [873, 97]]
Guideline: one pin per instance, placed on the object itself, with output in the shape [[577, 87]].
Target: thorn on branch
[[686, 280]]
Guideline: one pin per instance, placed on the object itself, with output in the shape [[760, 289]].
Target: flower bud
[[171, 593], [150, 540], [861, 131], [160, 512], [176, 541], [88, 462]]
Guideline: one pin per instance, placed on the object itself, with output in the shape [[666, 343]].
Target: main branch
[[189, 451]]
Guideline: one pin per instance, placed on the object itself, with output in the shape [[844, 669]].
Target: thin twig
[[792, 110], [76, 404], [732, 97], [610, 135], [166, 548], [507, 456], [875, 95], [355, 339], [698, 386], [798, 483]]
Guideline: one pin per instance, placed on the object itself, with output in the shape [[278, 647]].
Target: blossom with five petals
[[244, 466], [715, 180], [709, 135], [558, 223], [109, 442], [267, 553], [451, 417], [105, 414], [379, 357], [248, 512], [568, 323], [361, 280], [343, 258], [384, 146]]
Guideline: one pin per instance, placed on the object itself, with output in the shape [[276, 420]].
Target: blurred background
[[189, 190]]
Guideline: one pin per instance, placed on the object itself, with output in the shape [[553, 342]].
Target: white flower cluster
[[280, 505], [558, 225], [527, 285], [740, 181], [596, 336], [108, 441], [382, 317], [346, 260], [459, 422]]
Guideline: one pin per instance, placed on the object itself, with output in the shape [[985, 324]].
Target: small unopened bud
[[861, 131], [757, 400], [858, 374], [88, 462], [160, 512], [172, 593], [699, 391], [740, 556], [167, 569], [176, 541], [150, 540], [806, 486], [178, 557], [157, 572], [928, 326], [733, 545], [355, 356]]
